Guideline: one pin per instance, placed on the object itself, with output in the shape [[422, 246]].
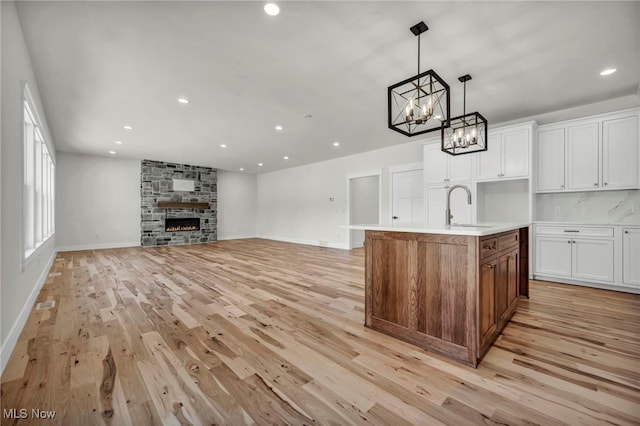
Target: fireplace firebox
[[182, 224]]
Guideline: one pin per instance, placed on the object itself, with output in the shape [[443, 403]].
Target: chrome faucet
[[447, 213]]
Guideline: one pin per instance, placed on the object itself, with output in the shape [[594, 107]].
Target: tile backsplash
[[596, 206]]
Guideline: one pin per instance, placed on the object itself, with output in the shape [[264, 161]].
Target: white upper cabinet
[[620, 153], [550, 171], [599, 153], [507, 156], [440, 167], [515, 153], [582, 156], [490, 161]]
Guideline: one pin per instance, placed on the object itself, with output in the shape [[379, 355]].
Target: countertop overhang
[[477, 229]]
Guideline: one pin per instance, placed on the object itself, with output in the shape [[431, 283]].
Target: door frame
[[351, 176], [404, 168]]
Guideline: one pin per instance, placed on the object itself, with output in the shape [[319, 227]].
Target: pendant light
[[419, 104], [466, 133]]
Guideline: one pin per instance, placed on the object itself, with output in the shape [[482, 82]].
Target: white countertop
[[578, 223], [479, 230]]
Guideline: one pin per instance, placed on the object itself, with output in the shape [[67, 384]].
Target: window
[[39, 175]]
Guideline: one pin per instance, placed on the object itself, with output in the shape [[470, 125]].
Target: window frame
[[32, 123]]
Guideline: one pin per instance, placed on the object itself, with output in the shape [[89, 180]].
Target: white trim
[[328, 244], [236, 237], [98, 246], [9, 343], [614, 287], [378, 173]]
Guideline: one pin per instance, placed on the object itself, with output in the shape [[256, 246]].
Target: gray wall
[[97, 202], [19, 283]]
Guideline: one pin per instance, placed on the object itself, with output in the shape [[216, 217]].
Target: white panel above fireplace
[[183, 185]]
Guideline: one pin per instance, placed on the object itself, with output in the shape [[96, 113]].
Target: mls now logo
[[23, 413]]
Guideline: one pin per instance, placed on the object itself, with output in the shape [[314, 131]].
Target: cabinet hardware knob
[[595, 184], [569, 241], [605, 184], [626, 232], [561, 186], [395, 217]]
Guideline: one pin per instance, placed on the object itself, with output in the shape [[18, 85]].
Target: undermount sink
[[470, 225]]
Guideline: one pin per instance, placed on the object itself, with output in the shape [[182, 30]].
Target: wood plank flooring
[[263, 332]]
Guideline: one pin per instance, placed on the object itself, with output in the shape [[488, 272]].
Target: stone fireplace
[[179, 204]]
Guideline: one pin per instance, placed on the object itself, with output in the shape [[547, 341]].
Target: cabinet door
[[550, 160], [486, 289], [460, 167], [461, 211], [630, 256], [435, 205], [553, 256], [593, 260], [515, 153], [582, 156], [435, 165], [513, 276], [620, 153], [489, 161]]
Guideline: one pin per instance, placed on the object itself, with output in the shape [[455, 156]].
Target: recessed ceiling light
[[242, 169], [437, 117], [112, 152], [128, 127], [118, 142], [608, 71], [183, 100], [285, 157], [336, 144], [279, 128], [260, 164], [271, 9], [222, 145]]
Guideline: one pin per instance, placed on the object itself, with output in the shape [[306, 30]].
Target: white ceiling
[[102, 65]]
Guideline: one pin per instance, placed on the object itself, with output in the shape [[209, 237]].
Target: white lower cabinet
[[553, 256], [592, 260], [576, 253], [631, 256]]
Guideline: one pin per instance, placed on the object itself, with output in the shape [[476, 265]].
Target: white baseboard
[[236, 237], [98, 246], [9, 343], [342, 246], [614, 287]]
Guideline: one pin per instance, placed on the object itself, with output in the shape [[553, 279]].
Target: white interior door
[[408, 197]]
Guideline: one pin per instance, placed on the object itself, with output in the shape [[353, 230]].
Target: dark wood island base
[[450, 294]]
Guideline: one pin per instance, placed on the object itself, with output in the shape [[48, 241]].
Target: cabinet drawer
[[575, 231], [488, 247], [507, 240]]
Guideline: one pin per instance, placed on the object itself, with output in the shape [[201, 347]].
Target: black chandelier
[[466, 133], [419, 104]]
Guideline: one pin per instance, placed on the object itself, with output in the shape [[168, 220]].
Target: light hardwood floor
[[263, 332]]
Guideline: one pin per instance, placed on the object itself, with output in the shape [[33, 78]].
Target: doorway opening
[[365, 204]]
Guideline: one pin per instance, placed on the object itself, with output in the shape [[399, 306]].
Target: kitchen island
[[450, 290]]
